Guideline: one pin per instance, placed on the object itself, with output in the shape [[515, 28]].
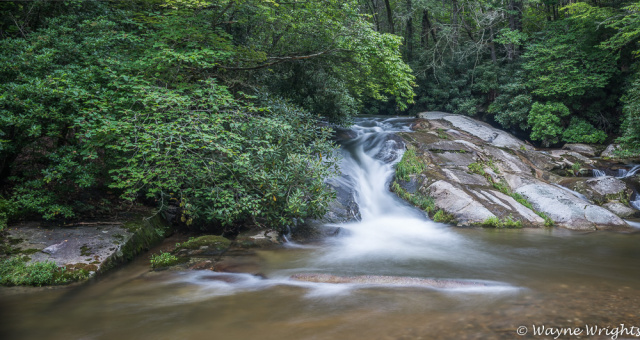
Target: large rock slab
[[478, 129], [474, 172], [90, 246], [583, 149], [464, 208], [567, 210]]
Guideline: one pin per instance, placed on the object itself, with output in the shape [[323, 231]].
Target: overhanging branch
[[278, 60]]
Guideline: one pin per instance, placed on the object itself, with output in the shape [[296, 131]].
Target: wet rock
[[239, 264], [459, 146], [583, 149], [344, 134], [90, 246], [603, 189], [392, 148], [484, 173], [621, 210], [343, 209], [464, 208], [463, 177], [567, 210], [456, 159], [203, 245], [387, 280], [420, 124]]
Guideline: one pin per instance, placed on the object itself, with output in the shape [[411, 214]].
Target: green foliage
[[548, 222], [575, 167], [546, 123], [516, 196], [424, 202], [581, 131], [565, 60], [502, 187], [491, 222], [495, 222], [211, 241], [15, 271], [509, 222], [631, 127], [410, 164], [511, 107], [476, 168], [442, 216], [164, 259]]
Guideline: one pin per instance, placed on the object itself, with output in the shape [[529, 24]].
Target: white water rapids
[[392, 238]]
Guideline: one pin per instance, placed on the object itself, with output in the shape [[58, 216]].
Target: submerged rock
[[387, 280]]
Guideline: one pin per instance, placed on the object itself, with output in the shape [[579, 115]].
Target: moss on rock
[[213, 242]]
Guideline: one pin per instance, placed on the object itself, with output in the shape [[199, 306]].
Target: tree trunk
[[389, 16], [374, 13], [515, 24], [454, 22], [409, 31], [492, 46]]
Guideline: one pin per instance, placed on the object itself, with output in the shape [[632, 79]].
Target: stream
[[526, 277]]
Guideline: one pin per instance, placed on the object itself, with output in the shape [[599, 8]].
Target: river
[[527, 277]]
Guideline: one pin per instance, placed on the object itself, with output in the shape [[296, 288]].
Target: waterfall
[[598, 173], [622, 173]]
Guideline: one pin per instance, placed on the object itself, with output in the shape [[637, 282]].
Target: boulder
[[568, 210], [609, 152], [453, 200], [88, 246], [583, 149], [341, 210], [391, 149], [621, 210], [603, 189]]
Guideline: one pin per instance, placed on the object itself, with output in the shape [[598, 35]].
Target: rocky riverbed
[[477, 175]]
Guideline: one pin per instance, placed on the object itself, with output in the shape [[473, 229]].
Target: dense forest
[[224, 108]]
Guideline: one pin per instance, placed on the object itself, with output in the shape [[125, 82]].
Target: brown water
[[557, 279], [549, 277]]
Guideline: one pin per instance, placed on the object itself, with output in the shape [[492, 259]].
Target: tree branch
[[278, 60]]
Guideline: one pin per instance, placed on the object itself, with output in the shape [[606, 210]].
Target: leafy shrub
[[426, 203], [164, 259], [545, 122], [581, 131], [476, 168], [495, 222], [492, 222], [410, 164], [442, 216]]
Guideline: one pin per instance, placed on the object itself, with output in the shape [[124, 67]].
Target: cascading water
[[392, 238], [537, 275], [623, 173], [598, 173]]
